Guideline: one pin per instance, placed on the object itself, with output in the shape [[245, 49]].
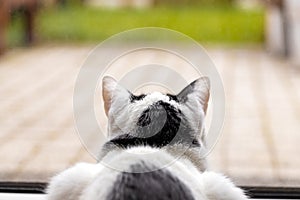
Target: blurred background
[[255, 45]]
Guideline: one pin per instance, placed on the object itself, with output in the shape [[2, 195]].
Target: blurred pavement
[[259, 143]]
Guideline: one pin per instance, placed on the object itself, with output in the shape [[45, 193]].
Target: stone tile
[[258, 146]]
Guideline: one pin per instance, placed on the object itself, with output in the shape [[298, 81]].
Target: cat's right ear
[[112, 91], [197, 91]]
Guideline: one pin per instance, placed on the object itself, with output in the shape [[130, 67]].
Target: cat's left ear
[[112, 91], [198, 90]]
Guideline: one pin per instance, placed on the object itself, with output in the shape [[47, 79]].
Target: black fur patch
[[159, 125], [173, 97], [153, 185], [134, 98]]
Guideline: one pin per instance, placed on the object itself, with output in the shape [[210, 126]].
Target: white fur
[[196, 105], [70, 183], [116, 100], [218, 187], [123, 115], [94, 181], [192, 109]]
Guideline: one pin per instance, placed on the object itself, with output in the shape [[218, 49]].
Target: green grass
[[205, 24]]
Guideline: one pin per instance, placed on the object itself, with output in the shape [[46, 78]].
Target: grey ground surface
[[260, 138]]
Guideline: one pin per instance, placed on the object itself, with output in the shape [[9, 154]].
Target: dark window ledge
[[253, 192], [23, 187]]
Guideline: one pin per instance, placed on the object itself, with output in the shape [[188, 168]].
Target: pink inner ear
[[108, 86], [107, 100], [205, 105]]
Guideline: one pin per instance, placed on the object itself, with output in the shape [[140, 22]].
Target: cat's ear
[[198, 90], [111, 91]]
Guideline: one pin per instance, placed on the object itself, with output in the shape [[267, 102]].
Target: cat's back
[[145, 173]]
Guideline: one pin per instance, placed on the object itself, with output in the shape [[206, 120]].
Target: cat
[[153, 152]]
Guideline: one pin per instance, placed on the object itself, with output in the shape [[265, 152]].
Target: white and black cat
[[154, 151]]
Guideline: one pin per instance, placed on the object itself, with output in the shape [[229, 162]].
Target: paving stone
[[258, 145]]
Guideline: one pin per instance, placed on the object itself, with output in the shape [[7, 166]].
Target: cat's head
[[156, 119]]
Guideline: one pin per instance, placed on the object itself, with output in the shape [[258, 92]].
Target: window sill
[[35, 191], [10, 196]]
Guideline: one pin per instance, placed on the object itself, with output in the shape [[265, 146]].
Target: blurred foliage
[[194, 2], [69, 2], [222, 24], [16, 28]]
